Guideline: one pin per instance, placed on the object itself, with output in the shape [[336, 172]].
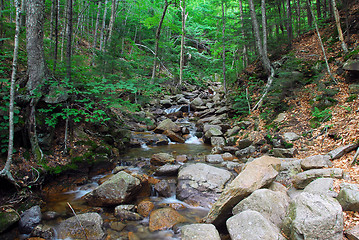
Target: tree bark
[[157, 39], [112, 20], [309, 15], [340, 32], [37, 71], [289, 22], [5, 172], [57, 11], [95, 33], [102, 37], [69, 39], [319, 13], [244, 51], [224, 46], [184, 18]]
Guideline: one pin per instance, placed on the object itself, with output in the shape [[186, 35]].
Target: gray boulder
[[352, 233], [214, 158], [201, 183], [91, 224], [245, 151], [207, 127], [199, 232], [168, 170], [252, 225], [29, 219], [301, 180], [163, 188], [348, 197], [233, 131], [339, 152], [284, 152], [322, 186], [119, 188], [271, 204], [255, 175], [290, 136], [289, 167], [313, 216], [43, 231], [167, 124], [217, 141], [212, 132], [316, 161], [159, 159], [244, 143]]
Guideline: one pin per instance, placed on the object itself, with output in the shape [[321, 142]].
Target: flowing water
[[193, 147]]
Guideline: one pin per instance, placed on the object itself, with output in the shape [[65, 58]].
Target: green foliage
[[320, 116]]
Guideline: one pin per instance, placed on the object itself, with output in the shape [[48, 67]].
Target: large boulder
[[148, 138], [199, 232], [316, 161], [271, 204], [314, 216], [252, 225], [212, 132], [255, 175], [29, 219], [322, 186], [301, 180], [91, 225], [348, 197], [164, 218], [120, 188], [288, 169], [339, 152], [201, 184], [159, 159], [167, 124]]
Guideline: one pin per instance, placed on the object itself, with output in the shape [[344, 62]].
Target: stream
[[193, 148]]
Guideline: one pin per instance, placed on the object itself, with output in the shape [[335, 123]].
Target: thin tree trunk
[[224, 47], [112, 19], [64, 32], [6, 170], [298, 17], [309, 15], [157, 40], [69, 39], [244, 51], [319, 13], [95, 33], [346, 9], [184, 18], [264, 27], [102, 37], [289, 22], [321, 44], [340, 32], [57, 11]]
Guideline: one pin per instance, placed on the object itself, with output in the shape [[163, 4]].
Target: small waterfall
[[145, 147], [172, 109]]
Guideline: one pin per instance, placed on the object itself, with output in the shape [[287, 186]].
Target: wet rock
[[255, 175], [50, 215], [43, 231], [348, 197], [164, 218], [119, 188], [197, 102], [352, 233], [168, 170], [230, 149], [117, 226], [252, 225], [181, 158], [173, 136], [123, 214], [29, 219], [207, 127], [145, 207], [160, 159], [316, 161], [228, 157], [301, 180], [8, 218], [339, 152], [91, 223], [312, 215], [214, 158], [284, 152], [201, 183], [138, 139], [166, 103], [290, 136], [322, 186], [167, 124], [272, 205], [218, 141], [163, 188], [212, 132], [199, 232]]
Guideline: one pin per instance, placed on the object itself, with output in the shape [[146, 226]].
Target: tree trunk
[[309, 15], [264, 58], [6, 170], [64, 32], [157, 39], [112, 19], [102, 37], [69, 39], [36, 65], [299, 10], [264, 27], [289, 22], [184, 18], [340, 32], [319, 13], [244, 51], [224, 47], [95, 33], [321, 43], [346, 9], [57, 11]]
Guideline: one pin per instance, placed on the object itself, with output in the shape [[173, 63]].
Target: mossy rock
[[8, 218]]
